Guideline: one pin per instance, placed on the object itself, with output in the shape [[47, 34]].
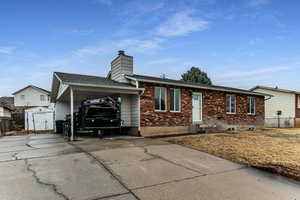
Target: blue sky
[[238, 43]]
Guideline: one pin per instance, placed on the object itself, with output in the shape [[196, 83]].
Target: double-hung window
[[251, 105], [231, 104], [160, 99], [175, 100], [42, 97]]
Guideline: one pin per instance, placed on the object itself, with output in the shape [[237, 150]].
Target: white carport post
[[72, 112]]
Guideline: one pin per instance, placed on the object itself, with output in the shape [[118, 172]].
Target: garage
[[70, 90]]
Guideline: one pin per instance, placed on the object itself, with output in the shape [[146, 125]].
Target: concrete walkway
[[35, 167]]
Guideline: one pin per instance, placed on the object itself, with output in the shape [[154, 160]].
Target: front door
[[197, 107]]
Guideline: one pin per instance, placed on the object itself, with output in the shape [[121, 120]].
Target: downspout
[[139, 106], [268, 98]]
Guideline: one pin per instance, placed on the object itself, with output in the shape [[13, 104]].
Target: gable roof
[[8, 100], [276, 89], [167, 81], [79, 79], [34, 87]]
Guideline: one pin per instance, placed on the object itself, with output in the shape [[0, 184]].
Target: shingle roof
[[187, 84], [8, 100], [32, 86], [276, 89], [90, 80]]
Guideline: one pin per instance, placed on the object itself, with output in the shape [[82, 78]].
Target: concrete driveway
[[36, 167]]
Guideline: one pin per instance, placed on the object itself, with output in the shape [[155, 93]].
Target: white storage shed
[[39, 118]]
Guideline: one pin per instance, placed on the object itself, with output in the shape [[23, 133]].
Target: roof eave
[[104, 86], [274, 89], [195, 86]]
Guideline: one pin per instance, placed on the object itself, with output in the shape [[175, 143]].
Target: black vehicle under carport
[[96, 116]]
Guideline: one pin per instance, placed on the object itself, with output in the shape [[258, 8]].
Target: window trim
[[174, 89], [42, 99], [249, 104], [231, 113], [156, 110]]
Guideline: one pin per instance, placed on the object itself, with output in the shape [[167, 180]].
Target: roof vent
[[122, 52]]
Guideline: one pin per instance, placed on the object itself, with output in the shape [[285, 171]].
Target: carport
[[71, 89]]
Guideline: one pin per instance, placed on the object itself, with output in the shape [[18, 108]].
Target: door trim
[[201, 106]]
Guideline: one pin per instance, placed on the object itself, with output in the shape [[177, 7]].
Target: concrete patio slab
[[150, 172], [109, 169], [193, 159], [45, 141], [11, 143], [44, 136], [121, 197], [15, 148], [46, 152], [123, 156], [246, 184], [18, 183], [7, 156], [76, 176]]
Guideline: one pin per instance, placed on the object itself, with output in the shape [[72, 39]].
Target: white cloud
[[105, 2], [131, 44], [7, 50], [257, 72], [76, 31], [255, 41], [182, 23], [163, 61], [257, 3]]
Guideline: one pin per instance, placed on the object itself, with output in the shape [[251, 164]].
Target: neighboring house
[[8, 101], [159, 106], [5, 112], [284, 102], [31, 96]]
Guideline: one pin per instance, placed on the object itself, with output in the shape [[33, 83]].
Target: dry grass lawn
[[276, 150]]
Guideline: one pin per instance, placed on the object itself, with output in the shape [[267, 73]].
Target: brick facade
[[214, 108], [297, 103]]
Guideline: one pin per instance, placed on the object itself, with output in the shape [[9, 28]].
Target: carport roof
[[80, 79]]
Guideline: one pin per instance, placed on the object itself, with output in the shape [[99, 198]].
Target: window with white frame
[[42, 97], [251, 105], [231, 104], [160, 99], [175, 100], [23, 97]]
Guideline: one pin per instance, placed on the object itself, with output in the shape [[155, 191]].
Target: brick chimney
[[120, 66]]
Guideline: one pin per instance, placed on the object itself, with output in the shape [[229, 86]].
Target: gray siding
[[121, 65], [126, 109], [130, 110], [135, 110]]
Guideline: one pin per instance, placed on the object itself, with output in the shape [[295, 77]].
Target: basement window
[[251, 105], [160, 99], [230, 104], [175, 99]]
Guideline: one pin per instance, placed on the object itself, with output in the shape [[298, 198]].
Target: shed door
[[197, 107]]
